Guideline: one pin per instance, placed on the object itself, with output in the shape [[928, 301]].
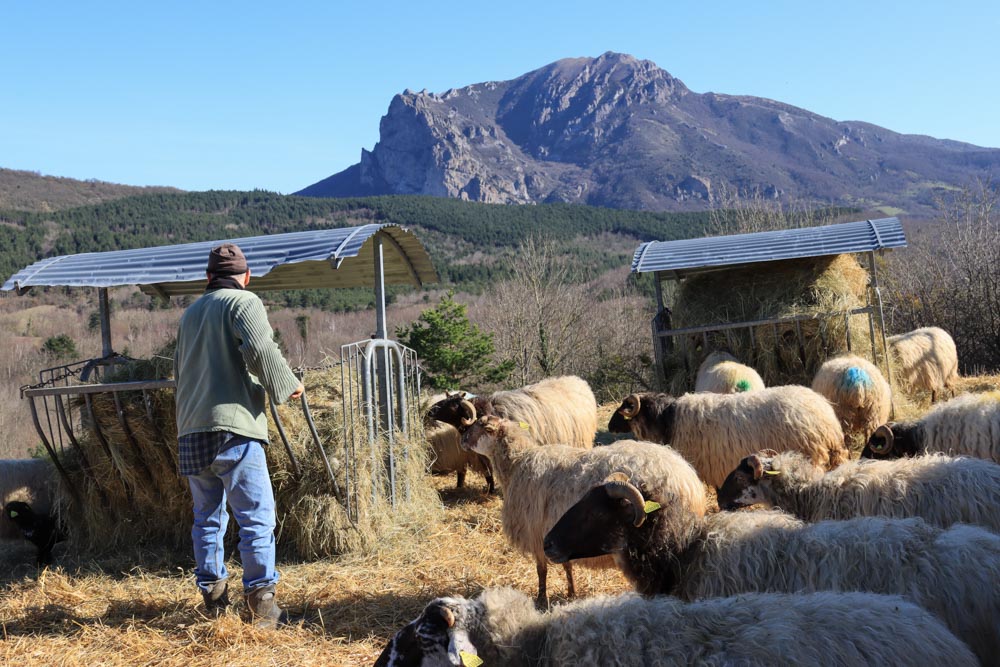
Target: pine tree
[[453, 352]]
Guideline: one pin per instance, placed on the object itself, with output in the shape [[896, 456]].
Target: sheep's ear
[[756, 465], [768, 453]]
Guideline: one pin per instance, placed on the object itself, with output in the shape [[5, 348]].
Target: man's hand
[[297, 394]]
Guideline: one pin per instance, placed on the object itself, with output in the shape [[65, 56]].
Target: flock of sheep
[[891, 559]]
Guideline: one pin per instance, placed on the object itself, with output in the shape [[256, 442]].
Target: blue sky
[[238, 95]]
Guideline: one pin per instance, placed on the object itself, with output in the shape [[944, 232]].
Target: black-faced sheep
[[939, 489], [952, 572], [721, 373], [716, 431], [926, 360], [559, 410], [860, 395], [445, 442], [540, 483], [501, 628], [965, 426], [41, 530], [31, 481]]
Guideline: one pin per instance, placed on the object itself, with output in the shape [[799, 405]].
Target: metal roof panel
[[701, 254], [341, 257]]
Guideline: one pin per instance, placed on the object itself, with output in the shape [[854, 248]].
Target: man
[[226, 359]]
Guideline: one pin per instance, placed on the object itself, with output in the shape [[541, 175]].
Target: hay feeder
[[781, 301]]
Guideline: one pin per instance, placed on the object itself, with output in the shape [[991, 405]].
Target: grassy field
[[143, 608]]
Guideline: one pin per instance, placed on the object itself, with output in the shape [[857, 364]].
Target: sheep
[[939, 489], [952, 572], [721, 373], [860, 395], [449, 456], [559, 410], [715, 431], [540, 483], [926, 359], [965, 426], [41, 530], [501, 627], [31, 481]]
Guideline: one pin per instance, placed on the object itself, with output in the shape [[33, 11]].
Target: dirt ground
[[126, 612]]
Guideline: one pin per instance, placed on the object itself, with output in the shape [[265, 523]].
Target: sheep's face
[[594, 526], [750, 483], [892, 441], [646, 416], [450, 410], [436, 638], [482, 436]]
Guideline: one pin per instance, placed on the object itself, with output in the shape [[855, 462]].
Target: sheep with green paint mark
[[721, 373]]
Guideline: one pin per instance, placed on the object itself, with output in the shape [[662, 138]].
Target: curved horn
[[468, 413], [617, 486], [630, 406], [448, 616], [885, 446]]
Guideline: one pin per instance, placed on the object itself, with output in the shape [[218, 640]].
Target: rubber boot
[[217, 599], [264, 610]]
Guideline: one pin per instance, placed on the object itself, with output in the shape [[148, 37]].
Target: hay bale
[[785, 353], [142, 499]]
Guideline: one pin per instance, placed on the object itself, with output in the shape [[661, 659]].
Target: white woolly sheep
[[502, 628], [559, 410], [445, 442], [926, 359], [860, 395], [965, 426], [951, 572], [721, 373], [32, 481], [716, 431], [540, 483], [939, 489]]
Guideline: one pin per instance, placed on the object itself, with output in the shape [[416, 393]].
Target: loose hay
[[138, 498], [772, 291]]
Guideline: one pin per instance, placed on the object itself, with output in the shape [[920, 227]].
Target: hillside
[[620, 132], [465, 239], [31, 191]]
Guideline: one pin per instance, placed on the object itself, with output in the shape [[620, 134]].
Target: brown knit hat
[[226, 260]]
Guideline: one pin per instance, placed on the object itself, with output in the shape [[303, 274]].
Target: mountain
[[621, 132], [31, 191]]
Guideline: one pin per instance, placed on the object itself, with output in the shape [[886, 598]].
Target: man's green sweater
[[225, 360]]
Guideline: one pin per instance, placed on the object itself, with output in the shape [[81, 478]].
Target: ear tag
[[523, 425], [650, 506], [772, 472], [470, 659], [13, 514], [625, 417]]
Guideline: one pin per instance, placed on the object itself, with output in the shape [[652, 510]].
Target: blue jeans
[[239, 472]]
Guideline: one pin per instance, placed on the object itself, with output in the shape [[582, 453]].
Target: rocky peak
[[618, 131]]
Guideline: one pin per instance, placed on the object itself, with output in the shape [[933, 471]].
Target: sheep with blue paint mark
[[860, 395]]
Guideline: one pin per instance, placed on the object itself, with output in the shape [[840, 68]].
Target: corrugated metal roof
[[696, 255], [323, 258]]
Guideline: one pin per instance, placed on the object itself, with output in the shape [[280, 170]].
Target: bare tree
[[734, 212], [950, 276]]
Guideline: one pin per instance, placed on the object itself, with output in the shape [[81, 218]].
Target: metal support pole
[[381, 361], [105, 313], [881, 321]]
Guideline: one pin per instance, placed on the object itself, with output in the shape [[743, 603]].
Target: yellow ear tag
[[470, 660], [650, 506], [625, 417], [13, 514], [525, 426], [772, 472]]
